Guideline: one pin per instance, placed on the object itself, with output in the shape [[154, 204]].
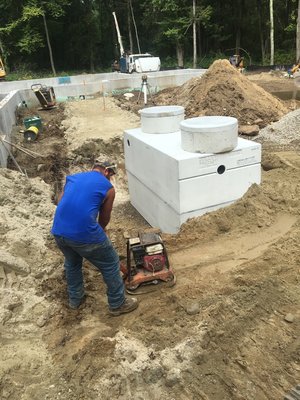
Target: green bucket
[[32, 121]]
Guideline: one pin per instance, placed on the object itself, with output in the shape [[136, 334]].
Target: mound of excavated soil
[[25, 219], [222, 90]]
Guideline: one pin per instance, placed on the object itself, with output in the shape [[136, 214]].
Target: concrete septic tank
[[168, 185]]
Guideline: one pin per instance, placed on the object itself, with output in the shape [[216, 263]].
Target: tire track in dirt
[[228, 253]]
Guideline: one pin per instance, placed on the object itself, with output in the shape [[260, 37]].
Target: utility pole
[[298, 35], [49, 44], [195, 36], [271, 34], [135, 28]]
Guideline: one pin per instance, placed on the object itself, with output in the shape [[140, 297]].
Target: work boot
[[129, 305], [77, 304]]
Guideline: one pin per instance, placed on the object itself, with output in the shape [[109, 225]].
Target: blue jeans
[[104, 257]]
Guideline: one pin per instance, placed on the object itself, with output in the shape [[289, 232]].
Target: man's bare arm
[[59, 197], [106, 208]]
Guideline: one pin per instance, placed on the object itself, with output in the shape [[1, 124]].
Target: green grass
[[30, 74]]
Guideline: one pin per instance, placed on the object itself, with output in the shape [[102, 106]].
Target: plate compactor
[[45, 95], [147, 264]]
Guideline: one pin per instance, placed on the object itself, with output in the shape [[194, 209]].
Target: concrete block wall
[[93, 83], [8, 107]]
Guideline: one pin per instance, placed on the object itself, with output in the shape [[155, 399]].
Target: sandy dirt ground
[[228, 329]]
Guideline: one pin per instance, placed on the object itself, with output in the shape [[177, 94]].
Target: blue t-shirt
[[76, 214]]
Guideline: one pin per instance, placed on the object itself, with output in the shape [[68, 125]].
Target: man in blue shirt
[[83, 211]]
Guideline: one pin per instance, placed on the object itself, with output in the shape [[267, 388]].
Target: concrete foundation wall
[[8, 108], [13, 93], [93, 83]]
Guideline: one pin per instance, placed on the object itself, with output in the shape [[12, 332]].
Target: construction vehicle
[[45, 95], [147, 263], [139, 63], [296, 68], [2, 70], [237, 61], [129, 63]]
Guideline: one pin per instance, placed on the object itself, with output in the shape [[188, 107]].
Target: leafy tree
[[80, 34], [298, 34], [174, 19], [23, 28]]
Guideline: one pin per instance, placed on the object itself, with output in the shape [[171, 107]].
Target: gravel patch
[[284, 131]]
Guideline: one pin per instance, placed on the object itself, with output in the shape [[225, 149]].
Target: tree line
[[80, 35]]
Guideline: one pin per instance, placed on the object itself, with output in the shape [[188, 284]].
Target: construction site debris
[[249, 130]]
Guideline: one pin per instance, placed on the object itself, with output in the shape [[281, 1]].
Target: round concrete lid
[[161, 111], [208, 124]]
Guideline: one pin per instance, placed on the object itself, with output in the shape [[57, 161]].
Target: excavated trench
[[52, 164]]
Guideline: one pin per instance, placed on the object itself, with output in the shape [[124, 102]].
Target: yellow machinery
[[237, 61], [2, 70], [296, 68], [31, 134]]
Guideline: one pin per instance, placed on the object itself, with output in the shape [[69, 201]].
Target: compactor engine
[[147, 262]]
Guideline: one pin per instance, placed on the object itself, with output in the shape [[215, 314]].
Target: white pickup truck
[[139, 63]]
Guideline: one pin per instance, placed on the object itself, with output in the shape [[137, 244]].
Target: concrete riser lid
[[161, 119], [211, 134]]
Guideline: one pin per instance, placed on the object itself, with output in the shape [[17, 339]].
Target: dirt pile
[[222, 90]]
